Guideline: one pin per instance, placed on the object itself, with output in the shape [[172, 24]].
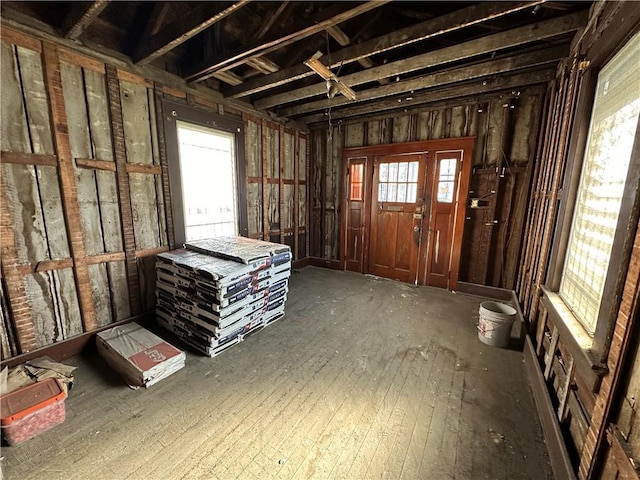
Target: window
[[208, 178], [207, 173], [398, 182], [614, 122], [356, 175], [446, 180]]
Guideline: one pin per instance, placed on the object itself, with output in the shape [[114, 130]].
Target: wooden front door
[[396, 216], [404, 210]]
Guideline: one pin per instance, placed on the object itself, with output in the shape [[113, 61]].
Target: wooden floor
[[363, 378]]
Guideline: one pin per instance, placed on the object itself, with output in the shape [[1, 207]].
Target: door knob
[[416, 228]]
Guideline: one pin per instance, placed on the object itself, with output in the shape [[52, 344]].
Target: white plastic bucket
[[494, 324]]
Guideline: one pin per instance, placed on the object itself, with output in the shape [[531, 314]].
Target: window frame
[[597, 351], [173, 111]]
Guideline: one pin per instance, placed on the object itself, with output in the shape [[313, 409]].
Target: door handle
[[416, 228]]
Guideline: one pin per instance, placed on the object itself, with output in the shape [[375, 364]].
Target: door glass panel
[[402, 171], [411, 193], [398, 182], [384, 172], [402, 192], [356, 192], [391, 192], [382, 192], [446, 180], [393, 172]]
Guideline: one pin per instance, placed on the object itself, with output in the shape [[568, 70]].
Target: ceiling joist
[[484, 45], [81, 15], [429, 29], [438, 79], [334, 15], [178, 32], [503, 82]]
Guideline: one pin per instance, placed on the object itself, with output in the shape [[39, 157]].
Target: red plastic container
[[30, 410]]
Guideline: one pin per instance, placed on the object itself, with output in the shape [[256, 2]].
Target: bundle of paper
[[140, 356], [214, 292]]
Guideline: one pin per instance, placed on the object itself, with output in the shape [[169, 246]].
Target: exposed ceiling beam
[[263, 65], [80, 16], [456, 20], [484, 45], [438, 79], [502, 82], [333, 15], [343, 39], [269, 23], [228, 77], [188, 26]]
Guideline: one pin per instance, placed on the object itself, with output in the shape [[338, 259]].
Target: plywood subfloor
[[364, 378]]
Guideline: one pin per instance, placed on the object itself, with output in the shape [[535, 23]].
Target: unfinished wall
[[85, 199], [506, 128], [593, 392]]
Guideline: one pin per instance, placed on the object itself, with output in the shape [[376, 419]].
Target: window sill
[[575, 338]]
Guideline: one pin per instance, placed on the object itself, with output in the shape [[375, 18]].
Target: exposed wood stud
[[296, 195], [281, 160], [68, 184], [124, 194], [164, 164], [265, 185], [80, 16]]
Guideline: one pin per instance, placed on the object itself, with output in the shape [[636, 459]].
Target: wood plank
[[272, 18], [453, 75], [484, 45], [431, 28], [144, 168], [16, 158], [126, 76], [106, 258], [80, 16], [331, 16], [500, 83], [14, 37], [88, 63], [124, 194], [68, 185], [187, 26], [94, 164]]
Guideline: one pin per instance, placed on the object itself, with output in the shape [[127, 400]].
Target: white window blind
[[614, 121]]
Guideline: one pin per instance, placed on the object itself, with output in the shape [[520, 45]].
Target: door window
[[398, 182], [446, 180]]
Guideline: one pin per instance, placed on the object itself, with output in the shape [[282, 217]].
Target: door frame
[[429, 147]]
